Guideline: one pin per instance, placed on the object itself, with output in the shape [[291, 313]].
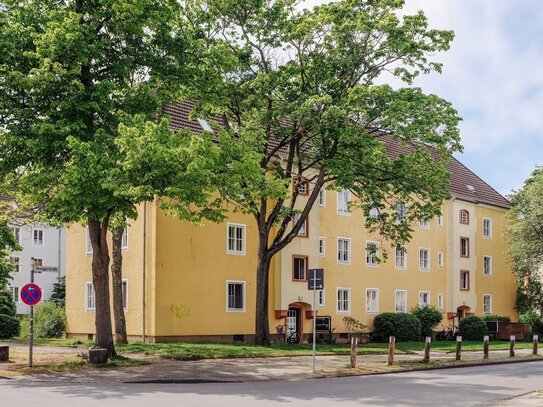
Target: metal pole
[[31, 319], [144, 270], [314, 320]]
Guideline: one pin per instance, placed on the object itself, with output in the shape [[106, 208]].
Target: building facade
[[47, 246], [198, 283]]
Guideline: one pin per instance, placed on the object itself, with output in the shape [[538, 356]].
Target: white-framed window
[[15, 294], [16, 230], [235, 238], [88, 245], [343, 300], [124, 293], [372, 300], [440, 260], [90, 297], [400, 300], [124, 239], [320, 298], [401, 211], [487, 265], [401, 257], [372, 253], [322, 246], [235, 296], [487, 228], [322, 197], [343, 200], [439, 300], [487, 304], [424, 259], [37, 237], [304, 229], [440, 220], [301, 185], [424, 298], [15, 261], [424, 224], [344, 250]]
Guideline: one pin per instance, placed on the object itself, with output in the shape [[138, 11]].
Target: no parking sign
[[31, 294]]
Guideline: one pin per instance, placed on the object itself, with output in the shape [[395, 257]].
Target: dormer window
[[464, 217]]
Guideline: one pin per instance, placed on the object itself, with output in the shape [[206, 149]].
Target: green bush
[[472, 328], [7, 305], [25, 328], [429, 318], [535, 320], [499, 318], [49, 320], [9, 326], [405, 327]]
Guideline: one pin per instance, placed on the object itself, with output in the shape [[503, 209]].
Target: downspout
[[144, 264], [59, 250]]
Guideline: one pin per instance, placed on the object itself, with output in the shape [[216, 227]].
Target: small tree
[[429, 317], [354, 327], [59, 292], [49, 320]]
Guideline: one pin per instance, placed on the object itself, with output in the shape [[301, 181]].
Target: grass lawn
[[187, 351]]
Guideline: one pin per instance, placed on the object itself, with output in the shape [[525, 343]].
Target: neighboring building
[[48, 246], [184, 282]]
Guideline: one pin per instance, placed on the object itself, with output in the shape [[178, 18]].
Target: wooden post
[[427, 344], [391, 346], [534, 349], [4, 353], [354, 346], [512, 346], [458, 347], [485, 347]]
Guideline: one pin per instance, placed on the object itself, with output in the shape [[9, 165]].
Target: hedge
[[9, 326], [405, 327]]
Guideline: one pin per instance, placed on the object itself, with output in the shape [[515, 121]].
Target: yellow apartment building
[[198, 283]]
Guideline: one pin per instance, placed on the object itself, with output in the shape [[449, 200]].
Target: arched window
[[464, 217]]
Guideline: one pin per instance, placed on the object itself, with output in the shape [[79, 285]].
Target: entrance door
[[293, 321]]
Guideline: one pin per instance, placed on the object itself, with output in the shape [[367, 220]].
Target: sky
[[493, 76]]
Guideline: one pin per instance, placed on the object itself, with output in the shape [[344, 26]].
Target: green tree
[[79, 78], [58, 295], [305, 105], [525, 242], [8, 243], [429, 317]]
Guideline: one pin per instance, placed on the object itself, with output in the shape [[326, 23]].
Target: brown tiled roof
[[464, 185]]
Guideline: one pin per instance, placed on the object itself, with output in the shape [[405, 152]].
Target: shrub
[[49, 320], [535, 320], [7, 305], [9, 326], [429, 318], [405, 327], [25, 328], [499, 318], [472, 328]]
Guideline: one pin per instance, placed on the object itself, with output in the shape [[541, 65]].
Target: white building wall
[[52, 253]]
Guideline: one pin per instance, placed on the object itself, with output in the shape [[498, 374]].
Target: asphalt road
[[472, 386]]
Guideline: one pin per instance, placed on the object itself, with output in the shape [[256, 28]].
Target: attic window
[[470, 188], [205, 125]]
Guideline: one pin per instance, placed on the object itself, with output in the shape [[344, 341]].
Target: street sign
[[46, 268], [315, 280], [31, 294]]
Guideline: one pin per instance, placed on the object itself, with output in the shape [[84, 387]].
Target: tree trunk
[[117, 283], [262, 325], [100, 280]]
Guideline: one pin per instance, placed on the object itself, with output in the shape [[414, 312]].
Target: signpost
[[31, 295], [315, 281]]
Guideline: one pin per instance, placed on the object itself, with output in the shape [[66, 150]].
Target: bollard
[[427, 344], [354, 346], [485, 346], [512, 346], [4, 353], [458, 347], [534, 349], [391, 346]]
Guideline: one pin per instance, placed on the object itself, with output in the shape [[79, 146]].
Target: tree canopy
[[524, 235], [307, 102]]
